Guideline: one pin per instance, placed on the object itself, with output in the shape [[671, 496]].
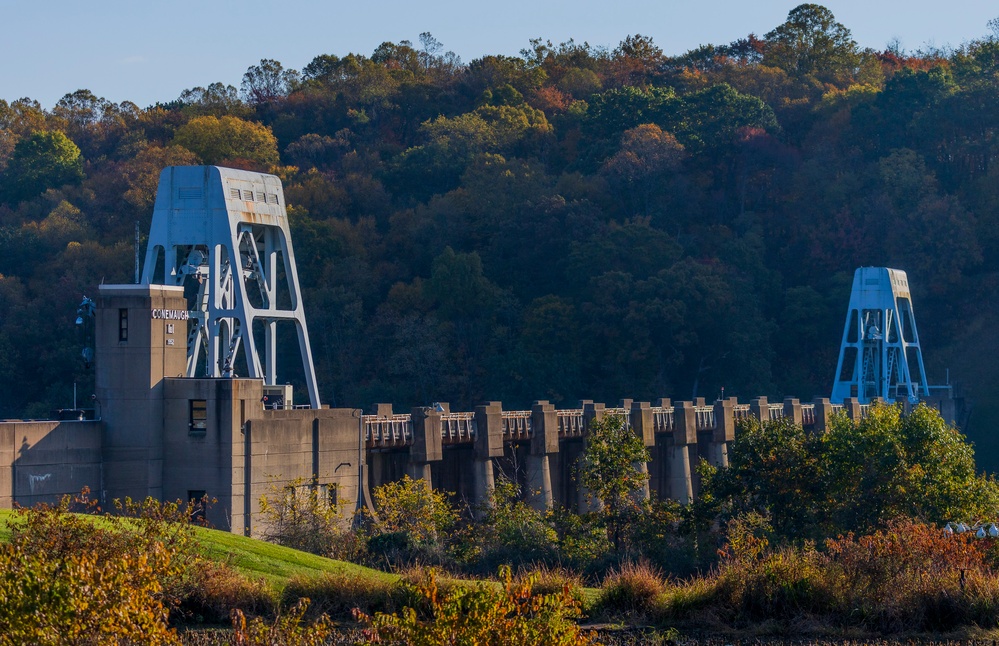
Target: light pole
[[359, 507]]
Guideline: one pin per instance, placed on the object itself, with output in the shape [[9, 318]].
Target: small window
[[199, 416], [123, 324], [198, 499], [330, 491]]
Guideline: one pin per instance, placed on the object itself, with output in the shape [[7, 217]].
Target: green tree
[[142, 173], [810, 43], [511, 531], [42, 161], [268, 81], [229, 140], [80, 109], [647, 156], [714, 116], [412, 510], [774, 469], [856, 477], [611, 471], [459, 287], [22, 117], [889, 465], [497, 71], [636, 61], [217, 99]]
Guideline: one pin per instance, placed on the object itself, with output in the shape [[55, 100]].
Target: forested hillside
[[573, 222]]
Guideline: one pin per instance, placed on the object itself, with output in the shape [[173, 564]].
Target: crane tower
[[880, 354], [223, 235]]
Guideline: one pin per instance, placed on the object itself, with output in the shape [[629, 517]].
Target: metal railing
[[570, 422], [775, 412], [517, 425], [808, 414], [386, 432], [457, 428], [705, 416], [663, 420]]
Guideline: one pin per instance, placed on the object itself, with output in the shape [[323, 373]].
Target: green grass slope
[[274, 563]]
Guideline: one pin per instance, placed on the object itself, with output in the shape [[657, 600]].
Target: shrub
[[82, 597], [748, 538], [685, 598], [65, 578], [582, 541], [632, 589], [285, 630], [912, 575], [482, 615], [216, 589], [511, 532], [407, 593], [338, 594], [298, 515], [656, 535], [786, 583], [415, 519], [547, 580], [906, 576]]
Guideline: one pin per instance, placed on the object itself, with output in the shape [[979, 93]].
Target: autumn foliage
[[481, 615], [68, 579], [571, 222]]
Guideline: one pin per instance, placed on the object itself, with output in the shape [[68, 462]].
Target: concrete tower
[[223, 235], [139, 334], [880, 355]]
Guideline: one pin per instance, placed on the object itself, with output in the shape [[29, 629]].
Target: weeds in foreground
[[906, 577], [288, 629], [546, 580], [216, 589], [338, 594], [632, 590], [512, 616], [65, 579]]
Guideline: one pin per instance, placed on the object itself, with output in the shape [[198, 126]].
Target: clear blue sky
[[151, 51]]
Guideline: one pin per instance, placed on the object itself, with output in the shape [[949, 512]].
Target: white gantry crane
[[880, 355], [223, 235]]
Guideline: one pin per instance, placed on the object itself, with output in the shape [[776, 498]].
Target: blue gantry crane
[[880, 356]]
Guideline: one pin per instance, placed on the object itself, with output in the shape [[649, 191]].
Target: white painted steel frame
[[880, 303], [228, 230]]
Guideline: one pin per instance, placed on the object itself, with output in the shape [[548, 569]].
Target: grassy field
[[274, 563], [627, 617]]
